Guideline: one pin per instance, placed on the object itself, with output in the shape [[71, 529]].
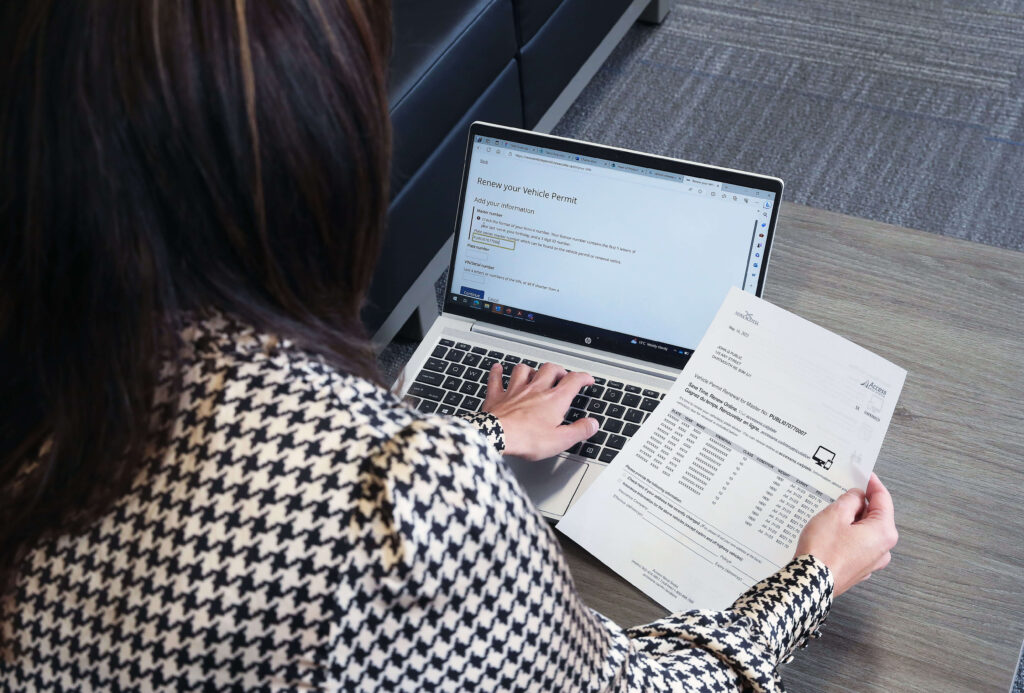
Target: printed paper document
[[770, 421]]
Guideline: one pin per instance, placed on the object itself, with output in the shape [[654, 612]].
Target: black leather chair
[[513, 62]]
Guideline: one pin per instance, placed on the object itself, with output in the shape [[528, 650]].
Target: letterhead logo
[[874, 387], [748, 316]]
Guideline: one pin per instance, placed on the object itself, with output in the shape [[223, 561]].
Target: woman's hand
[[852, 536], [532, 408]]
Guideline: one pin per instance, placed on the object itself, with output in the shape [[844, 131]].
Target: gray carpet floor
[[904, 111], [909, 112]]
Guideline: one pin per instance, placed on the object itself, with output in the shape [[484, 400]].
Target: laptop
[[598, 259]]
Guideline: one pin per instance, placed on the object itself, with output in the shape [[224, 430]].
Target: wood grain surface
[[948, 613]]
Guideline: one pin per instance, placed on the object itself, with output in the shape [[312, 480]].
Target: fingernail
[[593, 426]]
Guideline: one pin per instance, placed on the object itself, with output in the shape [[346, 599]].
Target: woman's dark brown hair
[[160, 157]]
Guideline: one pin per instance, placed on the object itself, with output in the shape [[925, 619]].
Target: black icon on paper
[[824, 457]]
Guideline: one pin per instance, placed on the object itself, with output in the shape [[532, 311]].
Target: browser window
[[633, 250]]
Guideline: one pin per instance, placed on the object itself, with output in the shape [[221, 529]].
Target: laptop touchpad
[[549, 483]]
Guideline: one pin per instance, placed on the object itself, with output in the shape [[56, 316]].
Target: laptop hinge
[[563, 348]]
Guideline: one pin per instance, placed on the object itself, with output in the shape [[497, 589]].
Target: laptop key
[[590, 450], [629, 429], [616, 410], [426, 392], [462, 412], [613, 425], [631, 400], [575, 449], [649, 404], [456, 369], [634, 415], [482, 394], [433, 364], [599, 381], [472, 403], [650, 393], [598, 418], [597, 438], [487, 363], [504, 381], [607, 455], [615, 384], [633, 389], [428, 406], [446, 410], [479, 350], [616, 442], [468, 388], [439, 352], [574, 415], [463, 346], [471, 359], [530, 363], [451, 383], [453, 399], [496, 354], [596, 406], [412, 401], [594, 391], [473, 374], [506, 368], [454, 355], [446, 342], [613, 395], [579, 401], [512, 359], [430, 378]]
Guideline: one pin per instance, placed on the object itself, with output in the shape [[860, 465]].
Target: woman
[[202, 484]]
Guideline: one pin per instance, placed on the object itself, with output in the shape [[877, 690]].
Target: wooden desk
[[948, 613]]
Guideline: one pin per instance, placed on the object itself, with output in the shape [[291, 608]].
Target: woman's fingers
[[570, 385], [547, 375], [853, 550], [521, 375], [879, 501], [576, 432], [495, 390], [880, 513], [849, 505], [533, 407]]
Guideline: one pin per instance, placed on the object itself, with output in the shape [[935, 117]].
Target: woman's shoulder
[[338, 455], [268, 392]]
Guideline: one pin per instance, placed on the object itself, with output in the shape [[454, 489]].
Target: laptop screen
[[614, 250]]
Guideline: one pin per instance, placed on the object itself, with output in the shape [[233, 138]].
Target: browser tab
[[702, 182]]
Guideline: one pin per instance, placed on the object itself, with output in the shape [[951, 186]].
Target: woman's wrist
[[490, 425]]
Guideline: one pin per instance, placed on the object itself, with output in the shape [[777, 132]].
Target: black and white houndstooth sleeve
[[525, 609], [305, 529], [490, 426]]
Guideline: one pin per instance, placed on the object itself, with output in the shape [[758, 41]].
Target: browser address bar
[[542, 160], [698, 187]]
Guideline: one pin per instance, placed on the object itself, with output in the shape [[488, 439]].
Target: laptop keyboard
[[453, 381]]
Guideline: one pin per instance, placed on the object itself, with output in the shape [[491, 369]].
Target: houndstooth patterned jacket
[[306, 530]]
